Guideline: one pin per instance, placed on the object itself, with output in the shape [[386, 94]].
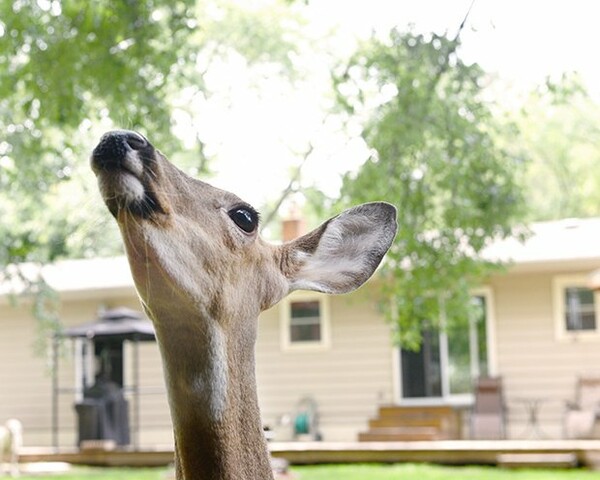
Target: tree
[[63, 67], [435, 156], [560, 137], [70, 70]]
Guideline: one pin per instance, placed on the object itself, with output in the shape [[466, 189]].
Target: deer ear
[[342, 253]]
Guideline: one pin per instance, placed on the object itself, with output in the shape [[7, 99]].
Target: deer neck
[[212, 395]]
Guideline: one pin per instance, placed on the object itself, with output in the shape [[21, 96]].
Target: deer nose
[[114, 146]]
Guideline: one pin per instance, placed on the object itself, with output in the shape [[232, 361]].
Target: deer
[[203, 275]]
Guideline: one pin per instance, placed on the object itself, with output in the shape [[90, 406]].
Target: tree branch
[[455, 42], [287, 190]]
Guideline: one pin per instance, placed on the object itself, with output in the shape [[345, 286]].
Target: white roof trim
[[564, 242], [72, 276]]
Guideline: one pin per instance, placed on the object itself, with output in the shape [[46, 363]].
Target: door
[[450, 360]]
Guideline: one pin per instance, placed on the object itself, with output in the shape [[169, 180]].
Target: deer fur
[[203, 279]]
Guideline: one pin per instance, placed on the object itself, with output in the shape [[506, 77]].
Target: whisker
[[152, 173]]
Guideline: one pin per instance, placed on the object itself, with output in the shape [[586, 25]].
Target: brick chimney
[[293, 224]]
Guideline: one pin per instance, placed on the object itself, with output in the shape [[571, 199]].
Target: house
[[538, 327]]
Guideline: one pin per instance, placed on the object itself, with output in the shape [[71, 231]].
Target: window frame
[[287, 345], [560, 283], [448, 398]]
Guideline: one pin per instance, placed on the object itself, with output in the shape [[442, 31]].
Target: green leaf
[[439, 161]]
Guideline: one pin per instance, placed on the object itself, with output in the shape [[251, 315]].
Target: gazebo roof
[[118, 324]]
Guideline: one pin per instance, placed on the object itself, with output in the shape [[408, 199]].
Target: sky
[[257, 139], [522, 40]]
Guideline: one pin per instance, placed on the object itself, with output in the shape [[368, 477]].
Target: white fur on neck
[[174, 261], [211, 385]]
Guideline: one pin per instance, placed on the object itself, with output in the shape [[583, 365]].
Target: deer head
[[203, 275]]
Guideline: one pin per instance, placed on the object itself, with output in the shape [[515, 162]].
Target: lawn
[[408, 471], [84, 473], [405, 471]]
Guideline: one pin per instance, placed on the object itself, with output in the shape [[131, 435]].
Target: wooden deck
[[451, 452], [150, 457]]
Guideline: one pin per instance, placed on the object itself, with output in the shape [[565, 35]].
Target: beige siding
[[26, 383], [156, 428], [532, 360], [348, 380]]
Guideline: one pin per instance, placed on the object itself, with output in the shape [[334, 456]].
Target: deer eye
[[244, 217]]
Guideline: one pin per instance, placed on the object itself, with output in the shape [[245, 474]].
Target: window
[[449, 360], [580, 312], [305, 322], [575, 307]]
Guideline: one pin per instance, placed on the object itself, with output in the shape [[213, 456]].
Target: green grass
[[435, 472], [83, 473], [406, 471]]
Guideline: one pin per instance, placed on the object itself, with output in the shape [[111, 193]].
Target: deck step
[[397, 411], [517, 460], [413, 423], [400, 434]]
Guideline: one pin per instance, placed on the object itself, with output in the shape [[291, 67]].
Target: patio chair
[[582, 415], [488, 417]]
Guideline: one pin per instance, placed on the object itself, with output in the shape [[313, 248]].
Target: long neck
[[212, 395]]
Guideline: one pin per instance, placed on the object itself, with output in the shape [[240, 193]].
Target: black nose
[[113, 147]]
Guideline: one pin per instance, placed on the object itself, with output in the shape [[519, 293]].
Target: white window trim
[[285, 319], [559, 284], [490, 316]]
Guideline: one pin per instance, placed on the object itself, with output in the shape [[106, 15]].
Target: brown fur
[[203, 282]]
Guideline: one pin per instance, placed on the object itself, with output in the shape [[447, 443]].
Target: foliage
[[70, 70], [63, 67], [559, 134], [435, 155]]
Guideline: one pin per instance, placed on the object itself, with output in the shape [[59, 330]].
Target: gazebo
[[99, 389]]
